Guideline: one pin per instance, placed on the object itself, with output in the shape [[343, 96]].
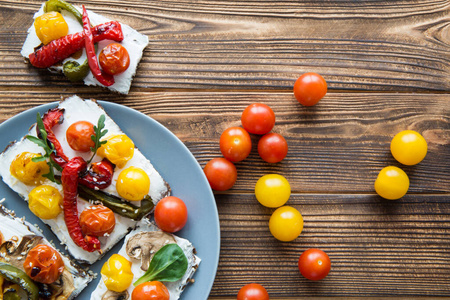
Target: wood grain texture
[[339, 145], [355, 45], [377, 248], [387, 64]]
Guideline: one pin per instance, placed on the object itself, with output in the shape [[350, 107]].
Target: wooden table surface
[[387, 67]]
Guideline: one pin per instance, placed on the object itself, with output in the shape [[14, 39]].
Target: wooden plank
[[331, 298], [365, 45], [339, 145], [377, 248]]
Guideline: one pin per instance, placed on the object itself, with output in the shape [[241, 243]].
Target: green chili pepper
[[15, 275], [11, 294], [58, 5], [116, 204], [74, 71]]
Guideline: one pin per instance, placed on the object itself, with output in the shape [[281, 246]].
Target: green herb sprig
[[99, 133], [48, 147], [168, 264]]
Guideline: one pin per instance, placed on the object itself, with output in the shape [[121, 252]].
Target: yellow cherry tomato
[[392, 183], [116, 273], [133, 184], [27, 171], [45, 201], [50, 26], [272, 190], [409, 147], [119, 149], [286, 223]]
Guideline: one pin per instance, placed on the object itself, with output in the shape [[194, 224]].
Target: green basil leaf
[[168, 264]]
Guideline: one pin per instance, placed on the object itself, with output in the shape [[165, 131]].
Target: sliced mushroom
[[14, 253], [144, 245], [63, 287], [111, 295]]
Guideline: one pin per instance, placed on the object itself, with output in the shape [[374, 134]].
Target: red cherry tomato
[[152, 290], [314, 264], [272, 148], [114, 59], [235, 144], [310, 88], [221, 174], [171, 214], [253, 291], [79, 136], [97, 220], [43, 264], [258, 118]]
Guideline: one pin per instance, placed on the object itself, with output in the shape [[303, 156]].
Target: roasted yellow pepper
[[50, 26], [45, 201], [27, 171], [119, 149], [116, 273]]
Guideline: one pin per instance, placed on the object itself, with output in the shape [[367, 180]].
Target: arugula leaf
[[51, 175], [168, 264], [99, 133], [48, 148], [38, 159], [37, 141]]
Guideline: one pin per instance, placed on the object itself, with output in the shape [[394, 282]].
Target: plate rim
[[107, 105]]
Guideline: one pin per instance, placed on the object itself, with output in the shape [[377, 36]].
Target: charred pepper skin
[[102, 77], [62, 48], [99, 175], [69, 180], [116, 204]]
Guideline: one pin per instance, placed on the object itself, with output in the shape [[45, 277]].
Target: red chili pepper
[[60, 49], [51, 118], [69, 180], [99, 176], [102, 77]]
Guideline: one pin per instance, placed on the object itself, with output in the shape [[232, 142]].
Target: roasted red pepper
[[69, 179], [51, 118], [60, 49], [99, 175], [75, 171], [102, 77]]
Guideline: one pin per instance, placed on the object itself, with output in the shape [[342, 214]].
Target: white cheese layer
[[133, 41], [77, 109], [13, 227], [175, 288]]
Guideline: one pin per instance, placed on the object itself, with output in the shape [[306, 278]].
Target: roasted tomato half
[[97, 220], [43, 264]]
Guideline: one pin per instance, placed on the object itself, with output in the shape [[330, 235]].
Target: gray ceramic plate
[[173, 161]]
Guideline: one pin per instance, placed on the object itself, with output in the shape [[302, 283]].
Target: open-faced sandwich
[[84, 46], [88, 182], [31, 267], [150, 262]]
